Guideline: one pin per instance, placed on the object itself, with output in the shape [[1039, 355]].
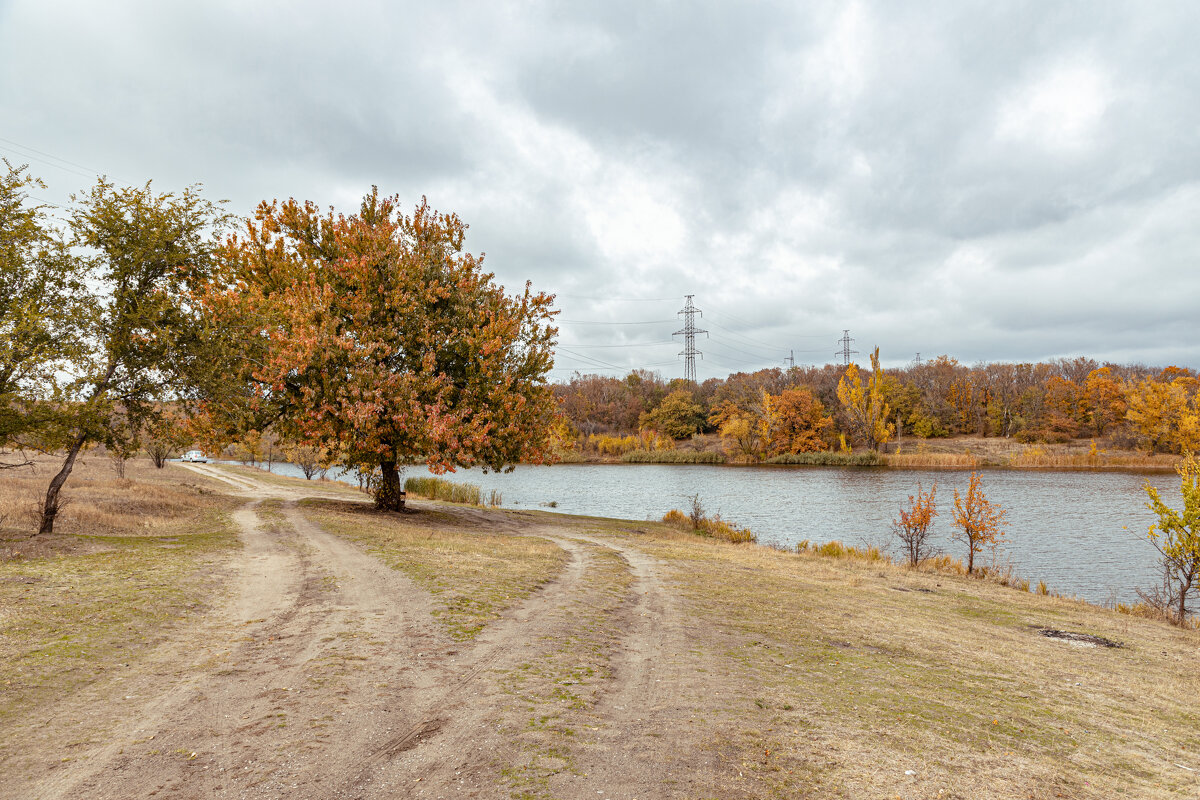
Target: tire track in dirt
[[321, 646], [646, 716], [457, 738], [330, 678], [267, 578], [645, 723]]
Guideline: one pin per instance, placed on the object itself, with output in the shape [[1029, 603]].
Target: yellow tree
[[1156, 409], [864, 406], [740, 434], [677, 416], [979, 523], [1176, 535], [767, 421]]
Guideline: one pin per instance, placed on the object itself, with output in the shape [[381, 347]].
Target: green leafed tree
[[44, 313], [143, 254], [378, 338], [1176, 536], [677, 416]]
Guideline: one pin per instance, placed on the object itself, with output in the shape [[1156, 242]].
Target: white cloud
[[1060, 111]]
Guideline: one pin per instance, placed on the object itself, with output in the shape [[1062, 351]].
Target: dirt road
[[326, 675]]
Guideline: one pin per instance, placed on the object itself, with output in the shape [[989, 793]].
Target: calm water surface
[[1083, 533]]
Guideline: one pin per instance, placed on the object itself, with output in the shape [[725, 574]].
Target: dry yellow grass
[[971, 452], [129, 562], [905, 460], [851, 673]]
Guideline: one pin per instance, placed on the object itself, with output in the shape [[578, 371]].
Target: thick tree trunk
[[50, 509], [389, 496]]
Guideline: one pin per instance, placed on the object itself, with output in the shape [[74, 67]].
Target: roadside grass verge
[[848, 672], [129, 564], [472, 575]]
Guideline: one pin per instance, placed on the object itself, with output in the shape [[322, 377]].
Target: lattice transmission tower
[[845, 352], [688, 333]]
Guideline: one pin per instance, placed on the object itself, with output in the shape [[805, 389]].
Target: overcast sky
[[995, 181]]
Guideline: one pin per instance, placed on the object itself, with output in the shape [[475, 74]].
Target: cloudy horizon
[[1015, 183]]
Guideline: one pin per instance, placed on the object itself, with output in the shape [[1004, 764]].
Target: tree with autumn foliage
[[376, 336], [1103, 400], [801, 425], [865, 410], [677, 416], [913, 525], [1176, 536], [1165, 414], [164, 432], [979, 523]]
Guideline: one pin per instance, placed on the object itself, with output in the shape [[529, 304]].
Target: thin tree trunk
[[389, 497], [50, 509], [1185, 587]]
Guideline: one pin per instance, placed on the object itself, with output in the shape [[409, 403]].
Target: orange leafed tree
[[802, 423], [978, 521], [912, 526], [378, 338], [1103, 400]]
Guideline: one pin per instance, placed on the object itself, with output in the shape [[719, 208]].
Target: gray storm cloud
[[996, 183]]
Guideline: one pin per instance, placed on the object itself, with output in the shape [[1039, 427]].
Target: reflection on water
[[1067, 528]]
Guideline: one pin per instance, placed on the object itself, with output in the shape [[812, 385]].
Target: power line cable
[[627, 344], [616, 299], [587, 357], [598, 322], [91, 173]]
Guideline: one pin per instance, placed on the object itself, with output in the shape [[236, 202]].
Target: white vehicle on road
[[195, 456]]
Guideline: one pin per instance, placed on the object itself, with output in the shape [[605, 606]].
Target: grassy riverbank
[[963, 452], [782, 674]]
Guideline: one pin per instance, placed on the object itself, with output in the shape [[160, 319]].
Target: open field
[[462, 651]]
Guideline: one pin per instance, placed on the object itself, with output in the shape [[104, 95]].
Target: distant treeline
[[774, 411]]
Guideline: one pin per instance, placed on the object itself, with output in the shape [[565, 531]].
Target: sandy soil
[[325, 675]]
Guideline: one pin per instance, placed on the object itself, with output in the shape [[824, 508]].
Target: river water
[[1084, 533]]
